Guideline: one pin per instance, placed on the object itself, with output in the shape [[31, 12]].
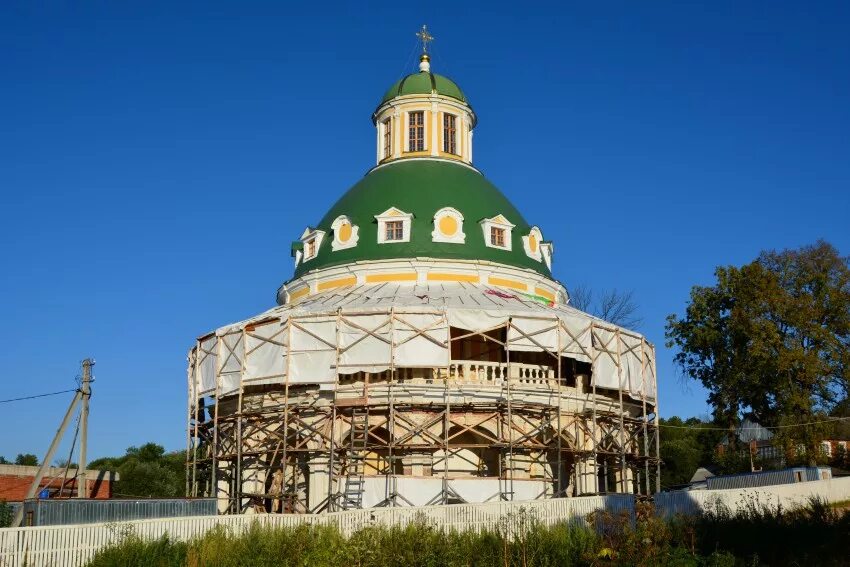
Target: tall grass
[[814, 534], [753, 535], [417, 544]]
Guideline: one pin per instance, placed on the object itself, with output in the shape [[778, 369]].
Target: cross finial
[[425, 38]]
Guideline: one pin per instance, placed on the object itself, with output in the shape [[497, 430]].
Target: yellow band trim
[[406, 277], [543, 293], [507, 283], [330, 284], [295, 295], [437, 277]]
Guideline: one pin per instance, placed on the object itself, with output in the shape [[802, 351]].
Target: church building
[[422, 352]]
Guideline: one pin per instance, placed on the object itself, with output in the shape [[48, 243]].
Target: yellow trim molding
[[296, 295], [507, 283], [340, 282], [544, 293], [404, 277], [438, 277]]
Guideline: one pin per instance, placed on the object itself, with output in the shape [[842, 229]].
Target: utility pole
[[79, 397], [85, 390]]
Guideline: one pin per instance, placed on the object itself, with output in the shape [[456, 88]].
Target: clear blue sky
[[157, 159]]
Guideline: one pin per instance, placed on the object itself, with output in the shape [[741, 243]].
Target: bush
[[812, 535], [6, 514], [755, 535]]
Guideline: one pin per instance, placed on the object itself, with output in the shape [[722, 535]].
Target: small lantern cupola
[[424, 115]]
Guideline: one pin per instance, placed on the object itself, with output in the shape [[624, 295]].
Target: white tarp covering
[[605, 373], [207, 365], [487, 489], [265, 352], [527, 334], [364, 343], [477, 319], [649, 371], [421, 339], [231, 352], [312, 355], [192, 372], [575, 337], [630, 363], [369, 328], [427, 491]]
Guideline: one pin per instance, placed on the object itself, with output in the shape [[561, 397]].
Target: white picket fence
[[74, 545]]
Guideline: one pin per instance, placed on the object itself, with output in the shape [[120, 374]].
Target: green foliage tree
[[3, 460], [27, 459], [772, 338], [146, 471], [685, 446], [6, 514]]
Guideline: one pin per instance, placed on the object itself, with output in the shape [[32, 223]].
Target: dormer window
[[311, 240], [416, 131], [450, 134], [393, 226], [388, 138], [497, 232]]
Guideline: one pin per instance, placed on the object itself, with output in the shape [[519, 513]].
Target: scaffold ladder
[[352, 496]]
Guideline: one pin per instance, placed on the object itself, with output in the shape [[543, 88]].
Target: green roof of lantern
[[423, 187], [425, 82]]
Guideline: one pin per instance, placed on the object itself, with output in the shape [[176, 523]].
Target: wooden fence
[[74, 545]]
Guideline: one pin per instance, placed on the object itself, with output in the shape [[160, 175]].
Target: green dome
[[423, 187], [426, 83]]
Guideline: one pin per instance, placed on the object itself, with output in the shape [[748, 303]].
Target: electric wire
[[406, 69], [37, 396], [789, 426]]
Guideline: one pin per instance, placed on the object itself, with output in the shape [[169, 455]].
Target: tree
[[3, 460], [617, 307], [146, 471], [685, 446], [27, 459], [771, 338]]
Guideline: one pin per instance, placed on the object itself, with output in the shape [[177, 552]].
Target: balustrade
[[463, 372]]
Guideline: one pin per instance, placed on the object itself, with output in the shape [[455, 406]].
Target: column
[[317, 482]]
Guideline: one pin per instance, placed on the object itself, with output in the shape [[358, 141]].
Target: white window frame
[[336, 243], [387, 128], [458, 237], [308, 235], [454, 139], [826, 448], [394, 214], [406, 149], [526, 244], [499, 221]]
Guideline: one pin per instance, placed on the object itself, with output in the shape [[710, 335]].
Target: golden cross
[[425, 37]]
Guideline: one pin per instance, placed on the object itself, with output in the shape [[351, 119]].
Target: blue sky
[[157, 159]]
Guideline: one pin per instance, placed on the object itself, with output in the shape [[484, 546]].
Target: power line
[[830, 420], [37, 396]]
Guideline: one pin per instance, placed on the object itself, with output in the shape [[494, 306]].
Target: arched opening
[[470, 454]]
